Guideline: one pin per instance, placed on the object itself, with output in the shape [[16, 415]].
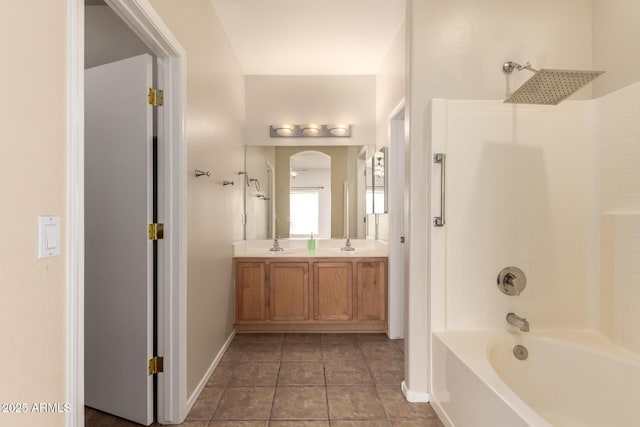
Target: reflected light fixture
[[378, 170], [310, 131], [292, 173]]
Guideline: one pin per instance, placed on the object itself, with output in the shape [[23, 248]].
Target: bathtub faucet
[[519, 322]]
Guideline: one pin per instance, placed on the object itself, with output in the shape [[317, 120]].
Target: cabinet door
[[333, 291], [251, 291], [289, 285], [372, 288]]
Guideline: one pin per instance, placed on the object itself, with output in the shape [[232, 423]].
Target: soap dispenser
[[311, 245]]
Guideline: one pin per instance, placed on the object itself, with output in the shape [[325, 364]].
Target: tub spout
[[519, 322]]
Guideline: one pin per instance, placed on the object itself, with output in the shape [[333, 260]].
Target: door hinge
[[156, 231], [156, 365], [155, 97]]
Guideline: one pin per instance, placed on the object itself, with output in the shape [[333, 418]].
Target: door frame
[[140, 16], [396, 180]]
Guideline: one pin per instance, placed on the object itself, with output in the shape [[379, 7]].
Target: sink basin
[[266, 251], [340, 252]]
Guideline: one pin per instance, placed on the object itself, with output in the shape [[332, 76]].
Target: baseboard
[[444, 418], [413, 396], [205, 379]]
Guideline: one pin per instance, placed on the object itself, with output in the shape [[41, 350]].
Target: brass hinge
[[156, 365], [156, 231], [155, 97]]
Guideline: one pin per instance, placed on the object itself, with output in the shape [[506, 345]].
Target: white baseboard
[[444, 418], [413, 396], [205, 379]]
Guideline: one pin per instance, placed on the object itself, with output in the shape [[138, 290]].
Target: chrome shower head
[[548, 87]]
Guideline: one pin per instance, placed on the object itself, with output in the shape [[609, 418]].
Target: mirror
[[376, 182], [292, 191]]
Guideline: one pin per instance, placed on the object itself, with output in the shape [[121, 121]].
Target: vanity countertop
[[297, 248]]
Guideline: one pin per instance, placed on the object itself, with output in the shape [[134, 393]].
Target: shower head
[[548, 87]]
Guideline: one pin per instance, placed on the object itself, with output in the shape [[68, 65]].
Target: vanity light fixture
[[339, 130], [283, 130], [310, 131]]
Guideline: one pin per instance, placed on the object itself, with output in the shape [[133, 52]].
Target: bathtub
[[570, 379]]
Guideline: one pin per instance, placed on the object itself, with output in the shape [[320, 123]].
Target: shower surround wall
[[518, 193], [618, 142], [539, 187]]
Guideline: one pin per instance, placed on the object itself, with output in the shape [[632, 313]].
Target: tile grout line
[[275, 388]]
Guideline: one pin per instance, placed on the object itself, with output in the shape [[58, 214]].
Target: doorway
[[396, 222], [143, 20]]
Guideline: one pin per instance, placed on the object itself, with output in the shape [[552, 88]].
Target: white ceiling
[[310, 37]]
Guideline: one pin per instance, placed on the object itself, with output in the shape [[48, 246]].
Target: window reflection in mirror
[[310, 194]]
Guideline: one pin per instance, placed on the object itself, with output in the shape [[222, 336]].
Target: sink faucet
[[276, 246], [519, 322], [347, 246]]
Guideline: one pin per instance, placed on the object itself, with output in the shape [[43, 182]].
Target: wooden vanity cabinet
[[332, 291], [371, 290], [311, 294], [289, 291], [251, 291]]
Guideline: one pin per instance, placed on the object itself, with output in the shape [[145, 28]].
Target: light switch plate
[[48, 236]]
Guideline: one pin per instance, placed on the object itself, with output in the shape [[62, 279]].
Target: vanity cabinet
[[332, 291], [289, 291], [251, 291], [311, 294]]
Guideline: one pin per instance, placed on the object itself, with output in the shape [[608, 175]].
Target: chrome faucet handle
[[276, 246], [347, 246]]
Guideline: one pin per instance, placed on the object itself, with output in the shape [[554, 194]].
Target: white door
[[118, 254]]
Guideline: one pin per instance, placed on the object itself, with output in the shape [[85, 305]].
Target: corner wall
[[214, 121], [615, 44], [33, 147]]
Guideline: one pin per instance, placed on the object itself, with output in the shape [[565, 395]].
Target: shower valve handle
[[511, 281]]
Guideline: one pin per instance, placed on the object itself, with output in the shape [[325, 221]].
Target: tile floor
[[304, 380]]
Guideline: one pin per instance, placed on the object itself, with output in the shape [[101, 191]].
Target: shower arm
[[509, 66]]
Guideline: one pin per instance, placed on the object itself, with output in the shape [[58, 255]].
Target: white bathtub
[[570, 379]]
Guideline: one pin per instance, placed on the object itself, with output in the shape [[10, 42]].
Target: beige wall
[[390, 86], [32, 183], [311, 99], [339, 169], [214, 121], [616, 32], [390, 91]]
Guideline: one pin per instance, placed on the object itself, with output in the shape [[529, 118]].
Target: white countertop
[[297, 248]]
